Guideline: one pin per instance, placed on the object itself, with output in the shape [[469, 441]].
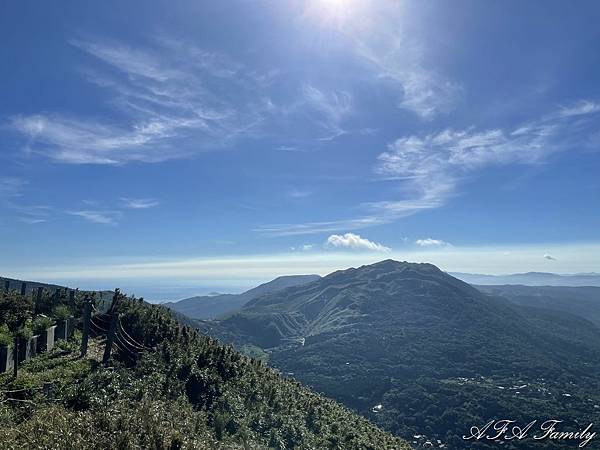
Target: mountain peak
[[389, 266], [395, 265]]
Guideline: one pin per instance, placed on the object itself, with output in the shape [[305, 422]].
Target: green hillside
[[582, 301], [424, 354], [184, 391], [212, 306]]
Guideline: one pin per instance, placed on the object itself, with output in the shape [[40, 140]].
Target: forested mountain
[[182, 391], [531, 279], [581, 301], [211, 306], [424, 354]]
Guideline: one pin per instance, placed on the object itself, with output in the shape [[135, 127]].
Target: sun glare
[[332, 13]]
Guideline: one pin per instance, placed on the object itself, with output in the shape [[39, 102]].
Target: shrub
[[26, 331], [41, 324], [5, 335], [61, 312], [15, 310]]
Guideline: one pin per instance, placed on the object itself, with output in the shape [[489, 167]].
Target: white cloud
[[355, 242], [139, 203], [11, 187], [430, 242], [580, 108], [422, 91], [492, 260], [289, 148], [333, 106], [76, 141], [299, 193], [98, 217], [319, 227], [33, 214], [135, 62], [167, 112], [382, 39], [549, 257], [430, 167], [304, 248]]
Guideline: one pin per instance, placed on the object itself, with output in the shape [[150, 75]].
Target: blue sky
[[217, 144]]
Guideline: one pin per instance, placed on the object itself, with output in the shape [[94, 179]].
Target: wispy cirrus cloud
[[380, 36], [33, 214], [400, 62], [429, 242], [383, 41], [168, 111], [11, 187], [431, 167], [297, 229], [139, 203], [579, 108], [333, 106], [354, 242], [298, 193], [98, 217], [303, 248]]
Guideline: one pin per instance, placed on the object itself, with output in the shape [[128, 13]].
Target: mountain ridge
[[532, 279], [371, 335], [211, 306]]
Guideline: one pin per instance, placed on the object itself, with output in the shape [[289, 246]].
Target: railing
[[93, 323]]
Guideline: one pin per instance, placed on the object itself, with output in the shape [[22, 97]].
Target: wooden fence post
[[15, 356], [87, 315], [110, 337], [23, 288]]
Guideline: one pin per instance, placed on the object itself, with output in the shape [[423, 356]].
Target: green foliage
[[26, 331], [188, 391], [582, 301], [255, 352], [61, 312], [407, 336], [6, 337], [15, 310], [41, 324]]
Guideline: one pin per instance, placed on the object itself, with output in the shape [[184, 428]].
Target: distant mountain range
[[582, 301], [215, 305], [531, 279], [423, 354]]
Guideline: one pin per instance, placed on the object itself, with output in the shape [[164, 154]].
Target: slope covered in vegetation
[[422, 353], [212, 306], [185, 391]]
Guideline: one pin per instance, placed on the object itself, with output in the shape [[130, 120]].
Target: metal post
[[6, 285], [87, 314], [23, 288], [110, 338]]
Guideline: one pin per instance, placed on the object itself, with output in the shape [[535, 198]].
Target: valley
[[435, 354]]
